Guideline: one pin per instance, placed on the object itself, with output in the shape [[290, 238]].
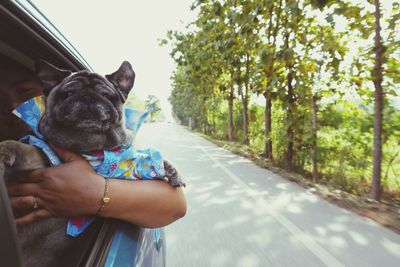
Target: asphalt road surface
[[243, 215]]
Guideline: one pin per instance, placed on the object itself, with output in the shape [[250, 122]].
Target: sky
[[109, 32]]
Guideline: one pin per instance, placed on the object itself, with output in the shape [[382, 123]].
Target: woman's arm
[[151, 203], [74, 189]]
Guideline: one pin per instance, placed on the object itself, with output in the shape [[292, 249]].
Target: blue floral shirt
[[124, 162]]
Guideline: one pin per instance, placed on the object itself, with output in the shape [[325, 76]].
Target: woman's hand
[[70, 189], [74, 188]]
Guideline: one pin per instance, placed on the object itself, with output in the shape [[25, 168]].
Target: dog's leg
[[42, 242], [172, 174], [16, 156]]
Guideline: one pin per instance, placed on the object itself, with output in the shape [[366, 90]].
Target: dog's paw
[[176, 182], [7, 154], [172, 175], [16, 156]]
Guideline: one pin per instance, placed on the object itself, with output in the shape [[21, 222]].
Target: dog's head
[[84, 110]]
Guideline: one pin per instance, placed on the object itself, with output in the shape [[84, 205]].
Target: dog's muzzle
[[88, 115]]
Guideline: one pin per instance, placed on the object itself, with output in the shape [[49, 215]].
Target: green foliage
[[135, 102], [293, 53], [152, 105], [278, 134]]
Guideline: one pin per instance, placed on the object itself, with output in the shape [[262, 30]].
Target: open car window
[[26, 35]]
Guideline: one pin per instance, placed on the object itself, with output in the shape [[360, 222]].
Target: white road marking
[[300, 235]]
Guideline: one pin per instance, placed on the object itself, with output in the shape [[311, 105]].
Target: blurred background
[[303, 91], [106, 33]]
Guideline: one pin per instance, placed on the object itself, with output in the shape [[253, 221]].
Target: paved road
[[242, 215]]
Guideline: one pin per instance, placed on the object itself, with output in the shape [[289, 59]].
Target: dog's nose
[[88, 99], [104, 116], [102, 113]]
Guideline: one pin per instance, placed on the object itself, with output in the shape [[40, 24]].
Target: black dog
[[84, 112]]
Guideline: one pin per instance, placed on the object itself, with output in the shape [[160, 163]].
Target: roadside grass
[[386, 212]]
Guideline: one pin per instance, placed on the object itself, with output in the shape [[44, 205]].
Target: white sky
[[108, 32]]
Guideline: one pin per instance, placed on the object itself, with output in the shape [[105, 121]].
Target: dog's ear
[[123, 79], [49, 75]]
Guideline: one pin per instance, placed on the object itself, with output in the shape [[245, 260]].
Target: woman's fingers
[[69, 189], [26, 203], [66, 155], [33, 216], [35, 176], [23, 189]]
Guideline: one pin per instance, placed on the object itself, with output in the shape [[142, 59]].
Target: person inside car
[[74, 188]]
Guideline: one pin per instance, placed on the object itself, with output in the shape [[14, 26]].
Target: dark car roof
[[27, 35]]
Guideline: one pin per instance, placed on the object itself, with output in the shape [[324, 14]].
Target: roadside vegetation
[[309, 86], [151, 105]]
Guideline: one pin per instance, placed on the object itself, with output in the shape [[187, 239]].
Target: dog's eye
[[69, 93], [106, 95]]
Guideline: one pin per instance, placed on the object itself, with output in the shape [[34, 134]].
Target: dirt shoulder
[[386, 213]]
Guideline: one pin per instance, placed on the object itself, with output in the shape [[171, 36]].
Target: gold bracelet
[[106, 199]]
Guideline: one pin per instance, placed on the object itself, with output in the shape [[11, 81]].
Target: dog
[[84, 113]]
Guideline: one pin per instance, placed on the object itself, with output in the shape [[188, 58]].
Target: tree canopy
[[313, 85]]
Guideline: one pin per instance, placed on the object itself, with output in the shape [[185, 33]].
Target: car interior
[[25, 45], [25, 38]]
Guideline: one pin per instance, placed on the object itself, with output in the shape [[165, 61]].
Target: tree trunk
[[290, 134], [231, 136], [245, 102], [376, 188], [272, 33], [245, 120], [243, 97], [205, 118], [314, 141], [268, 127], [212, 130], [290, 109]]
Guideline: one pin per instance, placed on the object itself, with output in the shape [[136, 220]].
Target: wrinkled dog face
[[84, 110]]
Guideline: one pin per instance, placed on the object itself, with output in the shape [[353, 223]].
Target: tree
[[322, 96], [268, 60], [242, 27], [376, 189], [152, 106], [381, 56]]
